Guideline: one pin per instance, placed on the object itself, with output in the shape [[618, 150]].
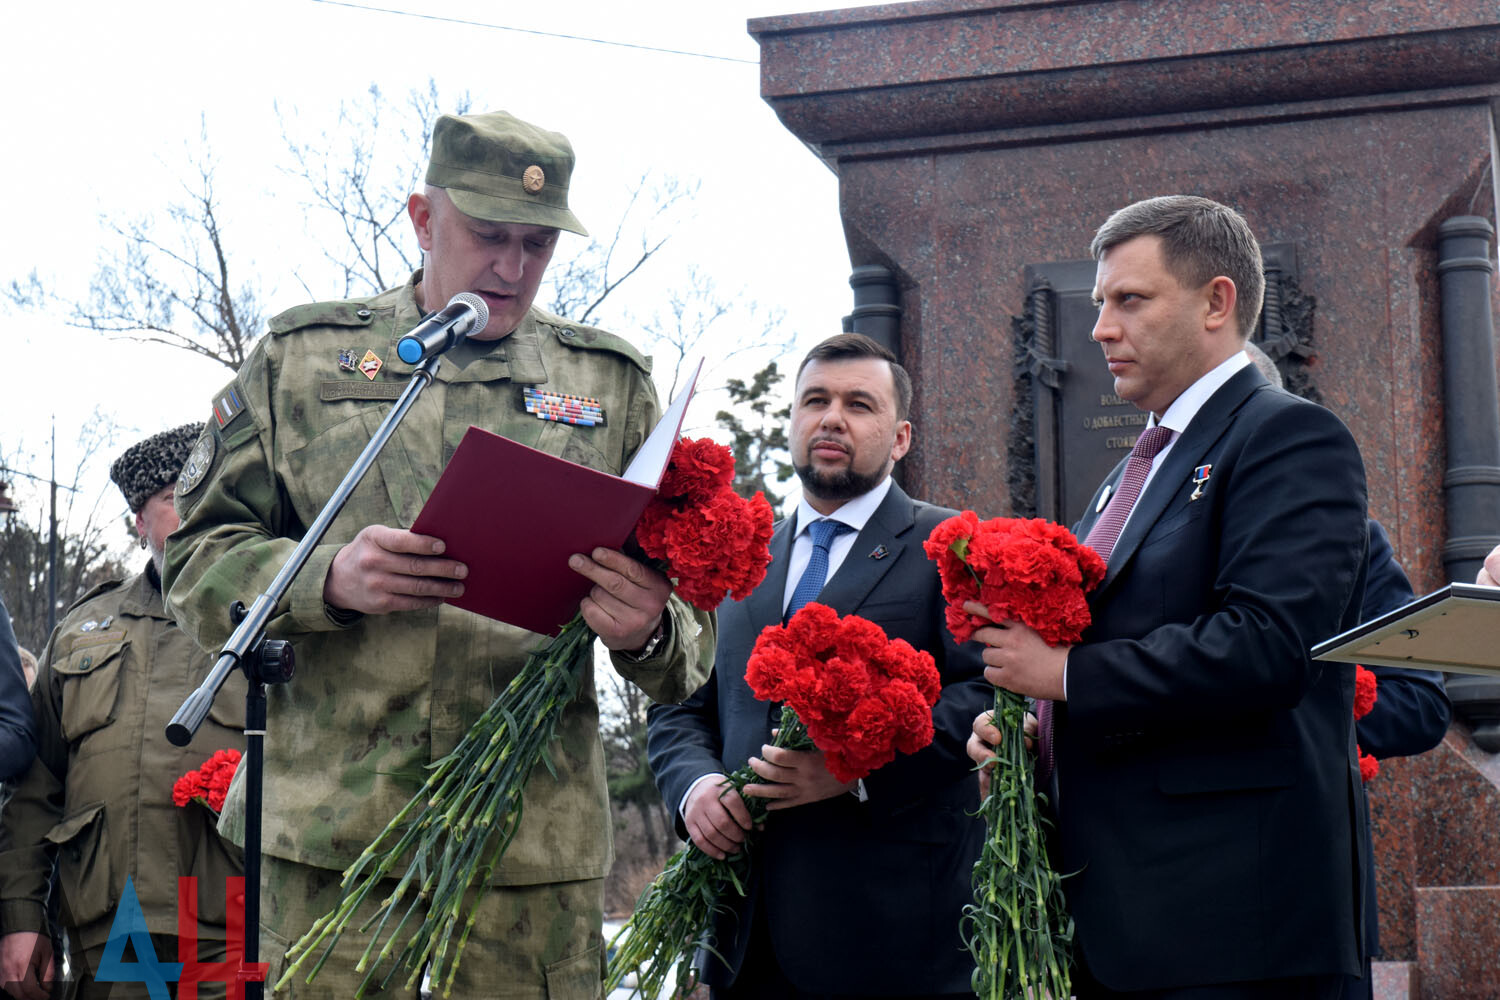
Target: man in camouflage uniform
[[390, 677], [97, 801]]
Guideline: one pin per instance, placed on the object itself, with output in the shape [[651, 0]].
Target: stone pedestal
[[975, 141], [1395, 981], [1438, 845]]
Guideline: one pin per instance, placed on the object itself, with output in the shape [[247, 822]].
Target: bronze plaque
[[1082, 428]]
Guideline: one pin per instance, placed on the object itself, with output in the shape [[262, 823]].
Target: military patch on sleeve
[[199, 461], [228, 405]]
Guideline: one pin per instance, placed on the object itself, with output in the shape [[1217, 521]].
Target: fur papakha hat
[[152, 465]]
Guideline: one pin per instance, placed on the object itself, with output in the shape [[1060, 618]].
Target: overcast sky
[[104, 103]]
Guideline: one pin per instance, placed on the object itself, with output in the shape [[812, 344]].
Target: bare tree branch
[[361, 174], [692, 323], [581, 284], [84, 558], [179, 290]]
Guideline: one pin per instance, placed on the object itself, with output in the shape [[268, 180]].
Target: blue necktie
[[823, 533]]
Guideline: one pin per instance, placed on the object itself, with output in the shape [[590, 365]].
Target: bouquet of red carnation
[[713, 543], [845, 688], [1034, 572], [1027, 570], [714, 540], [1365, 694], [209, 783]]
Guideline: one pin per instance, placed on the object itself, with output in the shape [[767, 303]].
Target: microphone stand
[[271, 661]]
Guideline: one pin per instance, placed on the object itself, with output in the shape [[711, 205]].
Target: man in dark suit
[[856, 890], [1410, 716], [1206, 785], [1412, 710]]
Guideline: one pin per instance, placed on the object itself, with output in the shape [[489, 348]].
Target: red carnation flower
[[1022, 569], [1364, 691], [862, 696], [713, 541], [209, 783], [188, 787], [697, 468], [1365, 695]]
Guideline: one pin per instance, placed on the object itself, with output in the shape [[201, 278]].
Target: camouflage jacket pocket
[[90, 678], [576, 444], [576, 978], [311, 473], [84, 869]]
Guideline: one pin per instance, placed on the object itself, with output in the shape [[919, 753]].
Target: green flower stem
[[1018, 927], [454, 831], [674, 915]]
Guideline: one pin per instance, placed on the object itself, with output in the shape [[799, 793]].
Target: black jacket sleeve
[[1411, 711], [17, 727]]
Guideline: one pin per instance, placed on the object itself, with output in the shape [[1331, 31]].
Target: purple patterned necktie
[[1106, 530], [1102, 538]]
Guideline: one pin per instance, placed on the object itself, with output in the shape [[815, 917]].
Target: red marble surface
[[1456, 947], [1434, 823], [937, 67], [1395, 981]]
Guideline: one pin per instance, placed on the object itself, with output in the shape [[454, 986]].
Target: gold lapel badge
[[1200, 479]]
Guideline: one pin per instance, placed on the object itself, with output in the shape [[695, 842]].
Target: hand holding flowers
[[1030, 576], [848, 690]]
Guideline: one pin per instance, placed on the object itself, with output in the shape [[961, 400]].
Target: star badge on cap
[[370, 365], [533, 179]]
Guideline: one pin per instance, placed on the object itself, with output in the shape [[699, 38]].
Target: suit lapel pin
[[1200, 479], [880, 552], [1103, 499]]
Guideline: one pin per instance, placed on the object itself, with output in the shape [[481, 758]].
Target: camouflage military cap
[[498, 168], [152, 465]]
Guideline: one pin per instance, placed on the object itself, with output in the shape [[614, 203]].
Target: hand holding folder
[[514, 515]]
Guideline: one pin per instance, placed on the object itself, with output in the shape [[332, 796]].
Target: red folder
[[514, 515]]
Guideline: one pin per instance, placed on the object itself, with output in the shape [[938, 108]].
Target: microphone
[[464, 314]]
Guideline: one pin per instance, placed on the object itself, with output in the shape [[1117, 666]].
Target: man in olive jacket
[[97, 801], [389, 676]]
